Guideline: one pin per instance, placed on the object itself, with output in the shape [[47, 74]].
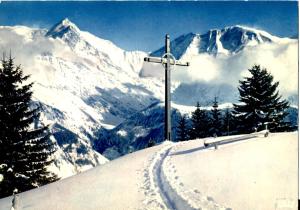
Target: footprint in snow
[[196, 191], [210, 198], [149, 202]]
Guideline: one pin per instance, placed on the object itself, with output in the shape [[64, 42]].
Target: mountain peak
[[66, 21], [63, 27], [245, 29], [228, 40], [178, 45]]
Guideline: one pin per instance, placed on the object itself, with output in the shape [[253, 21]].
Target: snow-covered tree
[[200, 121], [182, 129], [260, 102], [25, 146], [216, 123]]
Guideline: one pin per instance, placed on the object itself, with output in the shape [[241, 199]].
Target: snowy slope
[[245, 172]]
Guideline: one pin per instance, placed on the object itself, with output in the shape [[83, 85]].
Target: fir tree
[[151, 143], [182, 129], [261, 102], [200, 122], [215, 125], [25, 146]]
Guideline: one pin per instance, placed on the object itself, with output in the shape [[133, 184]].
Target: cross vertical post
[[167, 91], [167, 60]]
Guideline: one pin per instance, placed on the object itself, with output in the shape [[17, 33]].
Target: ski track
[[169, 195], [160, 194], [153, 200], [192, 196], [163, 188]]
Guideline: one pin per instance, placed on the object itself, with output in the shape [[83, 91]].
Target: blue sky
[[142, 25]]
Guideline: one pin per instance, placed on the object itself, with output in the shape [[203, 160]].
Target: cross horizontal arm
[[179, 63], [153, 59], [164, 61]]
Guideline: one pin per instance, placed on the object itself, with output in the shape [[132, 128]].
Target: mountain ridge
[[228, 40]]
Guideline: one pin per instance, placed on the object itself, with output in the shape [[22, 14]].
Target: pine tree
[[182, 129], [200, 122], [215, 125], [25, 146], [261, 102], [151, 143]]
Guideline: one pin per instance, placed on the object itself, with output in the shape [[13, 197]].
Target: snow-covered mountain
[[135, 132], [244, 172], [220, 58], [82, 83], [88, 87], [229, 40]]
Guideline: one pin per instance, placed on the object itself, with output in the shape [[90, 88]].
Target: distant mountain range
[[227, 41], [90, 89]]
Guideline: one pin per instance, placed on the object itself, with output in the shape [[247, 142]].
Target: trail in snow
[[163, 193], [169, 195], [159, 192], [193, 196], [163, 187]]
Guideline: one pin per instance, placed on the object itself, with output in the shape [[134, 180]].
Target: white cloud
[[280, 59], [202, 68]]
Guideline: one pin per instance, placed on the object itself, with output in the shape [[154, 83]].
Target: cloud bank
[[280, 59]]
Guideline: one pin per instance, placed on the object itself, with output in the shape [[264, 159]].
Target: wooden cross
[[167, 60]]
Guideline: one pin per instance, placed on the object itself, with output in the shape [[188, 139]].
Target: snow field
[[192, 196], [250, 172], [259, 173], [117, 185]]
